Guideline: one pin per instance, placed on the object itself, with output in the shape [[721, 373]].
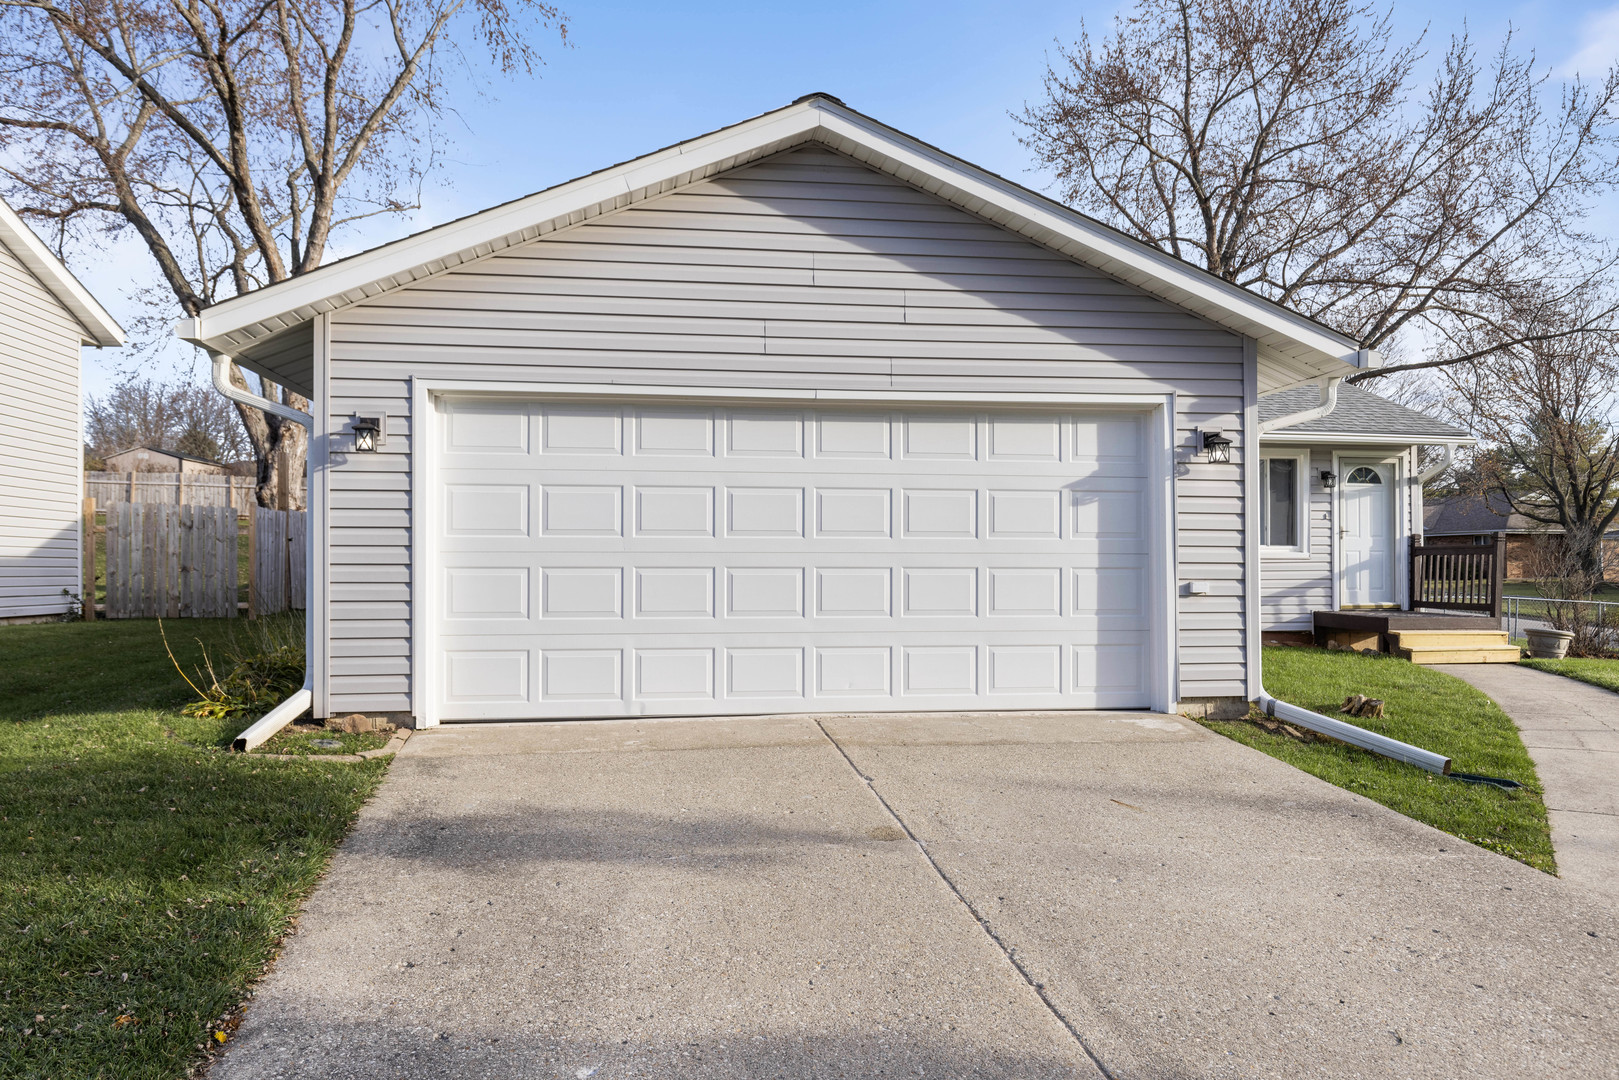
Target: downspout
[[1273, 707], [292, 708], [1422, 483]]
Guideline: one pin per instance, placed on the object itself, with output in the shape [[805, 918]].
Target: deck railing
[[1459, 577]]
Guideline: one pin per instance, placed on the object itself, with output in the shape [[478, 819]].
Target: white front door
[[1366, 533], [615, 559]]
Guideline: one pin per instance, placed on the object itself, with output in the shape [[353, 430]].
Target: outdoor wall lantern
[[1328, 479], [1217, 446], [368, 434]]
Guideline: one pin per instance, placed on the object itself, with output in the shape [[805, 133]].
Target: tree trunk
[[273, 437]]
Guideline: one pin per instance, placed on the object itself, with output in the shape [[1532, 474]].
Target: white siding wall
[[804, 270], [41, 462], [1293, 588]]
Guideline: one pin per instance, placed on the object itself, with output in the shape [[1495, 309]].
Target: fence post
[[87, 599], [131, 486], [252, 562], [180, 486], [283, 499], [286, 558], [1498, 583]]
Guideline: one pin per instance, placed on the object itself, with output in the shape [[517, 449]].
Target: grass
[[1428, 709], [146, 874], [1603, 673]]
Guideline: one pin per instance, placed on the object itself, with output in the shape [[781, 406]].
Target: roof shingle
[[1358, 412]]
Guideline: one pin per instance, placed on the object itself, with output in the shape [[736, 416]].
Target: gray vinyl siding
[[40, 458], [1292, 588], [803, 270]]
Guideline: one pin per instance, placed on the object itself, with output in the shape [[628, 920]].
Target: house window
[[1283, 495]]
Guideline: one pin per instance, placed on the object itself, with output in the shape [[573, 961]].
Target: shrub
[[260, 665]]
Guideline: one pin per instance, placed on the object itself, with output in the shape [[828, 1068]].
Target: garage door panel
[[618, 559]]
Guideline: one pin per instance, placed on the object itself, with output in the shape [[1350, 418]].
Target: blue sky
[[642, 75]]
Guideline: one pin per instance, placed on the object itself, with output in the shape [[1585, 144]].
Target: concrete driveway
[[988, 896]]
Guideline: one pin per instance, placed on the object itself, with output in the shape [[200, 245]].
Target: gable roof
[[1295, 348], [167, 453], [1359, 413], [99, 328]]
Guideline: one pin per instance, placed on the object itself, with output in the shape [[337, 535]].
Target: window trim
[[1301, 503]]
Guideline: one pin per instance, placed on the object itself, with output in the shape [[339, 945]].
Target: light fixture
[[368, 434], [1217, 446], [1328, 479]]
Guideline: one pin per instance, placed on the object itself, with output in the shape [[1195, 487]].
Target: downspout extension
[[292, 708]]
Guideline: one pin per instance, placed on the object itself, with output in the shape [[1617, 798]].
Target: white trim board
[[100, 328], [1296, 349], [425, 394]]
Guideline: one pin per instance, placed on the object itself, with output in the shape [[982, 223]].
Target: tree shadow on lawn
[[147, 873]]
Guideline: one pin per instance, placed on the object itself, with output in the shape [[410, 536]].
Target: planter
[[1548, 644]]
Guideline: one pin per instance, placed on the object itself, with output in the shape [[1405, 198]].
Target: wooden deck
[[1374, 621]]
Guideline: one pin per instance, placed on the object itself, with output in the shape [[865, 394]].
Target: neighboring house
[[1347, 546], [46, 316], [155, 459], [1479, 519], [803, 414]]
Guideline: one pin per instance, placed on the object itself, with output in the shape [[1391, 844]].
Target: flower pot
[[1548, 644]]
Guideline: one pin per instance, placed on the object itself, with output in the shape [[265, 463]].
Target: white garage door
[[626, 559]]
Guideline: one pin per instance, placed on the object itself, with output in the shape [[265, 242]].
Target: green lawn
[[1603, 673], [146, 874], [1425, 708]]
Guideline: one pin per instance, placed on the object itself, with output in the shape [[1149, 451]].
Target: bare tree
[[181, 415], [235, 138], [136, 412], [1545, 405], [1287, 146]]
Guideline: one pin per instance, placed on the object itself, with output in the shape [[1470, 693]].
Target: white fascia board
[[99, 328], [994, 198], [1361, 439]]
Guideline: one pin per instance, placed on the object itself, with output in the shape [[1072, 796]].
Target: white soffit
[[1292, 348], [99, 327]]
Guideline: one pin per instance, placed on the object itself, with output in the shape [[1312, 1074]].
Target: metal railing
[[1599, 619]]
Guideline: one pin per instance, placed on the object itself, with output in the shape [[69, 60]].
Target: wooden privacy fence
[[171, 489], [170, 561], [1459, 577], [186, 561], [277, 557]]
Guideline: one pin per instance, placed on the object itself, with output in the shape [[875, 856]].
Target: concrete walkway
[[1571, 730], [1018, 896]]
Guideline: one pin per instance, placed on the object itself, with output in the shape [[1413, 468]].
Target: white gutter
[[1325, 725], [292, 708], [1329, 401]]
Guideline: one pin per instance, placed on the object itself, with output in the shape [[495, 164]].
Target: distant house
[[1479, 519], [46, 316], [155, 459]]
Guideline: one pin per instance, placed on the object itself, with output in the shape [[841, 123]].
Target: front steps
[[1453, 646]]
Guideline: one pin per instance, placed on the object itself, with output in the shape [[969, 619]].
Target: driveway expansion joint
[[983, 923]]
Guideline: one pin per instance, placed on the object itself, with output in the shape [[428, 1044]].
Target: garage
[[596, 558]]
